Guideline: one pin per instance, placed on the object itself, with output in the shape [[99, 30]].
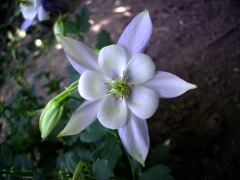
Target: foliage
[[96, 153]]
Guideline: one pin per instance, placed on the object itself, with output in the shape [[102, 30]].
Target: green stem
[[116, 135], [67, 92], [77, 171], [15, 173], [73, 86], [130, 162]]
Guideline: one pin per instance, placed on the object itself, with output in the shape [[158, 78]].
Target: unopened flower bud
[[58, 27], [50, 117], [53, 111]]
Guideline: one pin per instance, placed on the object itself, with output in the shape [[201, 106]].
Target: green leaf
[[54, 84], [82, 20], [162, 155], [72, 161], [95, 132], [103, 39], [6, 156], [70, 27], [109, 150], [80, 37], [22, 162], [84, 153], [158, 172], [16, 140], [102, 170]]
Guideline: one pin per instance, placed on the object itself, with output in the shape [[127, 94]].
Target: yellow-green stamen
[[119, 88]]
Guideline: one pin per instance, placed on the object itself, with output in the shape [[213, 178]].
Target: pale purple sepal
[[84, 116], [137, 34], [42, 14], [27, 23], [80, 69], [80, 56], [168, 85], [29, 12], [135, 138]]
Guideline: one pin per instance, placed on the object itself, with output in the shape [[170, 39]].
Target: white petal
[[42, 14], [92, 85], [135, 138], [113, 113], [85, 115], [27, 23], [140, 69], [137, 34], [143, 102], [80, 54], [112, 60], [168, 85]]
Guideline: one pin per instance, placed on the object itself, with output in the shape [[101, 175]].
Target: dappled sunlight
[[124, 10], [58, 46], [97, 27], [118, 11], [38, 43]]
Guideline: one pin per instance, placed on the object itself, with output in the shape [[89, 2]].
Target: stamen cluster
[[119, 87]]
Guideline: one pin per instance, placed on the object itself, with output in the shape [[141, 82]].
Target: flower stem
[[130, 162], [116, 135], [15, 173], [77, 171]]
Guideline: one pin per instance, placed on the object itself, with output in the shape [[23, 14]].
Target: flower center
[[118, 87], [26, 3]]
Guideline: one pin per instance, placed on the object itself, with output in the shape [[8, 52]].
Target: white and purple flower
[[121, 86], [31, 11]]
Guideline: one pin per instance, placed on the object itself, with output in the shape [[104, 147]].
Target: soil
[[198, 41]]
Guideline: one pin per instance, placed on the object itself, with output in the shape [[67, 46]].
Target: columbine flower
[[32, 10], [121, 86]]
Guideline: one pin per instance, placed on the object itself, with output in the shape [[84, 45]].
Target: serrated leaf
[[72, 161], [84, 154], [103, 39], [83, 20], [95, 132], [22, 162], [70, 27], [102, 170], [91, 136], [158, 172], [109, 150]]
